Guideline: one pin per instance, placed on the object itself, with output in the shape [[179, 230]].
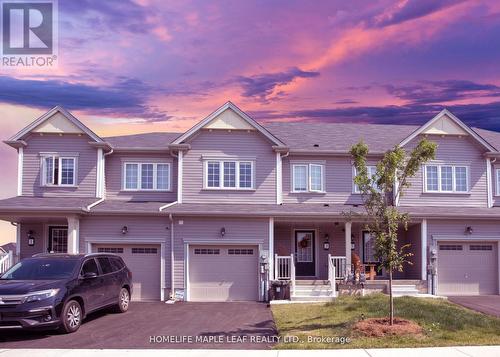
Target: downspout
[[172, 285]]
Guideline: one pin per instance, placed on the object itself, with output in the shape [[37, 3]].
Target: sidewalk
[[461, 351]]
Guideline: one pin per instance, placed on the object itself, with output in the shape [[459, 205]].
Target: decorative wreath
[[304, 243]]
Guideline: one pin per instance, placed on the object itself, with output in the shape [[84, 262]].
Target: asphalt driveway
[[245, 325], [487, 304]]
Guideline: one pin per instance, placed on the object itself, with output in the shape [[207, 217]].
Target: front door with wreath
[[305, 264]]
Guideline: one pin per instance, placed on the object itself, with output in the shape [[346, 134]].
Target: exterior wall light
[[124, 230], [469, 230], [31, 238], [326, 243], [222, 232]]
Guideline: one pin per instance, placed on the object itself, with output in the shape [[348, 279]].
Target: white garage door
[[144, 262], [223, 273], [467, 268]]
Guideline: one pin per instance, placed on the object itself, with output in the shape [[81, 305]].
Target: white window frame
[[221, 175], [308, 177], [497, 182], [59, 159], [454, 181], [370, 168], [139, 176]]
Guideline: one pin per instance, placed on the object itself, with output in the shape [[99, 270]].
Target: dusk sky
[[138, 66]]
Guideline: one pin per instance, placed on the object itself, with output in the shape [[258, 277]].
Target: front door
[[305, 264], [58, 240]]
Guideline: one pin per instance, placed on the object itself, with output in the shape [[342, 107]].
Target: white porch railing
[[6, 261], [284, 269], [332, 272], [340, 264]]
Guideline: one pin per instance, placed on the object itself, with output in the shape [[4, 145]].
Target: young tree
[[380, 191]]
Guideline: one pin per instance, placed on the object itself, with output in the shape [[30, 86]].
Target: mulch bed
[[380, 327]]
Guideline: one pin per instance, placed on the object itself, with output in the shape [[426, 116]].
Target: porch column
[[423, 247], [73, 235], [348, 246], [271, 248]]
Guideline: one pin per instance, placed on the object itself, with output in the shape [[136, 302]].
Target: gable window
[[146, 176], [372, 170], [229, 174], [58, 171], [308, 178], [446, 178]]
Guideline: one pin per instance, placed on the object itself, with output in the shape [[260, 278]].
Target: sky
[[131, 66]]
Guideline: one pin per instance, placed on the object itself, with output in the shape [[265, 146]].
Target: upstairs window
[[308, 178], [58, 171], [446, 178], [146, 176], [498, 181], [372, 170], [230, 174]]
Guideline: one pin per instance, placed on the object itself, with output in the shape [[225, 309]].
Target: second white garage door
[[223, 273], [144, 262], [467, 268]]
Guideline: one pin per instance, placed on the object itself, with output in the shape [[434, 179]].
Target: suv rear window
[[105, 265], [116, 263]]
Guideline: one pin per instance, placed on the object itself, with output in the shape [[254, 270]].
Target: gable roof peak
[[47, 116], [245, 117], [459, 126]]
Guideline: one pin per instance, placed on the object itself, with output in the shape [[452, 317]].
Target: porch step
[[312, 290], [404, 290], [312, 298], [311, 282]]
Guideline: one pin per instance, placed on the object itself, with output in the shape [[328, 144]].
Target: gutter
[[167, 206]]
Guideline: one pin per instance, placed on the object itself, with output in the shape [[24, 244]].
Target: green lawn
[[444, 323]]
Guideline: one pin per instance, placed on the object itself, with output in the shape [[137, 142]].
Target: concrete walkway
[[462, 351]]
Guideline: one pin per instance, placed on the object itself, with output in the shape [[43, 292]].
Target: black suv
[[59, 290]]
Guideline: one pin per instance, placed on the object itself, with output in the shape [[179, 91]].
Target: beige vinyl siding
[[452, 150], [234, 145], [86, 162], [114, 177]]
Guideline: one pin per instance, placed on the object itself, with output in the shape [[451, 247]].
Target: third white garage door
[[467, 268], [143, 260], [223, 273]]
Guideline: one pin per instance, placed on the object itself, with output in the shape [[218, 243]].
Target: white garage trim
[[188, 243], [466, 239], [91, 241]]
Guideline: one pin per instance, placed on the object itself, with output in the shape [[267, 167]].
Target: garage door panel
[[466, 268], [223, 273], [143, 260]]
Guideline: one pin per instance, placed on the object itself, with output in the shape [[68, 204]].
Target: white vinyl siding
[[372, 170], [229, 174], [146, 177], [308, 178], [446, 179], [58, 171]]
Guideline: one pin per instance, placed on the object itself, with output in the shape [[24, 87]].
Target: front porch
[[319, 257]]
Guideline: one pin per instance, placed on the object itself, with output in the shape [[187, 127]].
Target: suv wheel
[[123, 300], [71, 317]]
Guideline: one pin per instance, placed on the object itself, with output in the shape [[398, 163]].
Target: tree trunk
[[391, 299]]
